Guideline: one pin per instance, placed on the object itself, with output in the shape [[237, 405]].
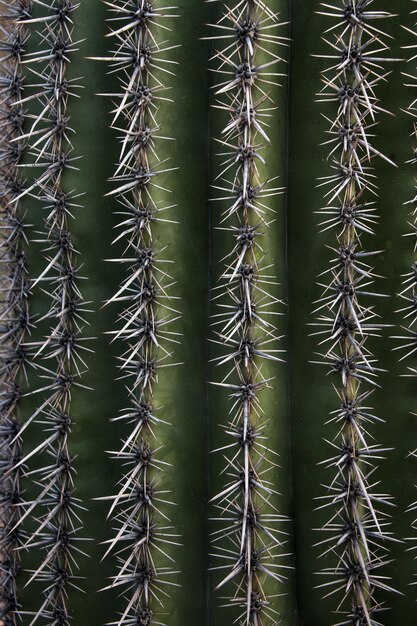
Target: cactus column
[[144, 536], [357, 530], [249, 538], [14, 303]]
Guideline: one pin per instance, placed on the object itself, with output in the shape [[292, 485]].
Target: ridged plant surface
[[15, 290], [248, 544], [357, 530], [207, 312], [55, 354], [144, 535]]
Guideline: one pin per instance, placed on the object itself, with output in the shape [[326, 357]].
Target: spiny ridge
[[247, 547], [14, 301], [143, 535], [406, 340], [357, 535], [58, 358]]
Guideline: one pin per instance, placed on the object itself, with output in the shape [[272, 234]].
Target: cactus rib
[[407, 342], [249, 543], [357, 533], [144, 535], [15, 292], [55, 509]]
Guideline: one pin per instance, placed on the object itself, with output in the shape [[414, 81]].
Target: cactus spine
[[356, 533], [55, 508], [15, 293], [248, 544], [143, 532], [407, 343]]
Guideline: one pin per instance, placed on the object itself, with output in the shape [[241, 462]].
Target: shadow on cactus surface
[[208, 312]]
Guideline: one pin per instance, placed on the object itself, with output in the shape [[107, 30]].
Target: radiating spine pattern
[[144, 536], [407, 340], [54, 510], [248, 545], [356, 534], [14, 300]]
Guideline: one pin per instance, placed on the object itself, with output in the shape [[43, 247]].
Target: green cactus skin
[[301, 396], [312, 397], [408, 294], [144, 535], [358, 529], [57, 348], [249, 531]]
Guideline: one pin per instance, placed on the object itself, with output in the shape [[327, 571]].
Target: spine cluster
[[247, 546], [57, 358], [356, 533], [14, 300], [143, 531], [407, 341]]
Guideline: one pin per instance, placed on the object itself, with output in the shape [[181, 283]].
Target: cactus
[[47, 135], [357, 531], [15, 310], [143, 529], [408, 294], [248, 544], [163, 423]]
